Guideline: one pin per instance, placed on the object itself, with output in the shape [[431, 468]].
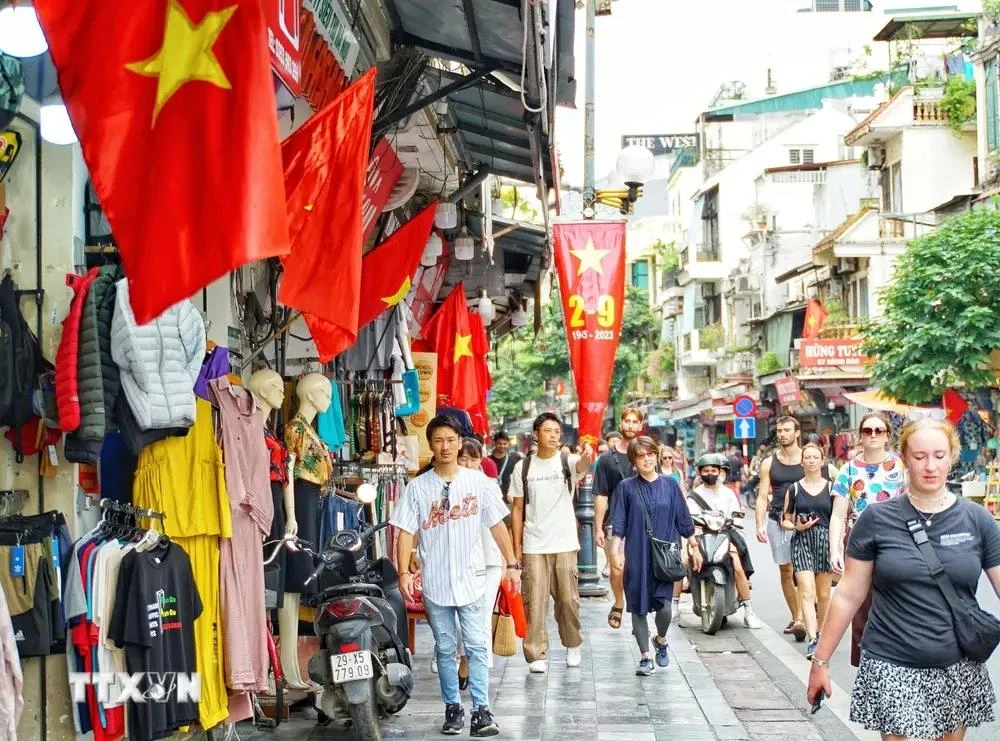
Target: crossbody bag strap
[[645, 512], [701, 502], [927, 552]]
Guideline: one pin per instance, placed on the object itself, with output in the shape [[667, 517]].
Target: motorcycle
[[713, 589], [363, 664]]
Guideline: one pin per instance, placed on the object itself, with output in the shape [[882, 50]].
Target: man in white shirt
[[450, 505], [712, 495], [543, 522]]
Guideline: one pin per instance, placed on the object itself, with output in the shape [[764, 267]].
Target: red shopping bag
[[513, 604]]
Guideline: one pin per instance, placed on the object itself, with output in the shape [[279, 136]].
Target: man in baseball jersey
[[449, 506]]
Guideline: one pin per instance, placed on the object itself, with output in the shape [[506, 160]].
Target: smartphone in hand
[[819, 702]]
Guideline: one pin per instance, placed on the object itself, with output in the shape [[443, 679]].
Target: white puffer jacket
[[160, 361]]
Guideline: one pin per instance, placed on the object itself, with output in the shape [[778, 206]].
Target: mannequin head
[[314, 392], [268, 387]]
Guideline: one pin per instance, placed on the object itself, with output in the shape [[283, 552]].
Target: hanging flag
[[481, 352], [954, 405], [326, 164], [387, 271], [174, 119], [816, 315], [450, 334], [590, 261]]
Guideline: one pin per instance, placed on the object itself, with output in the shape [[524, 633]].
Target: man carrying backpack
[[543, 521]]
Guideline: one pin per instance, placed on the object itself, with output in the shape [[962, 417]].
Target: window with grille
[[795, 156], [992, 112], [640, 274], [827, 6], [808, 156], [852, 6], [801, 156]]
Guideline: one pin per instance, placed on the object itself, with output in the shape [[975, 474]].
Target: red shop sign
[[384, 170], [788, 390], [422, 298], [284, 40], [830, 353]]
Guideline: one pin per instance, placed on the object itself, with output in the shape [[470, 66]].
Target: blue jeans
[[442, 622]]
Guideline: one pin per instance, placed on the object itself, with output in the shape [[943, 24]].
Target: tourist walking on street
[[612, 468], [873, 475], [659, 498], [914, 681], [504, 458], [667, 467], [808, 508], [449, 506], [543, 522], [713, 495], [777, 473]]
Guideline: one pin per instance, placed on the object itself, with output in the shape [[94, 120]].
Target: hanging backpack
[[567, 475]]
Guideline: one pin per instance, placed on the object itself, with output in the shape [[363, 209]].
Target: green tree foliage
[[959, 101], [941, 312]]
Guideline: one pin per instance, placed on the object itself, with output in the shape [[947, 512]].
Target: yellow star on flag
[[398, 295], [463, 346], [811, 321], [186, 54], [590, 258]]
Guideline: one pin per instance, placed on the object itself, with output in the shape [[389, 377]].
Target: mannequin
[[309, 471]]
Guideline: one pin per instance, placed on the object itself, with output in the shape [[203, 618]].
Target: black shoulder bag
[[977, 631], [664, 556]]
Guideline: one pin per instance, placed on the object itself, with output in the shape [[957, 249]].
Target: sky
[[660, 62]]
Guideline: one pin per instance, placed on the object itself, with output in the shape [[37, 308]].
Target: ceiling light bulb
[[20, 33], [435, 247], [56, 126], [465, 248], [446, 216], [486, 309]]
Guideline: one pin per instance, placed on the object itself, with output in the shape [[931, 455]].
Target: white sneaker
[[538, 667], [574, 656], [675, 612], [750, 620]]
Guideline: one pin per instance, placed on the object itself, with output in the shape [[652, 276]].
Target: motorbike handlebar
[[290, 542], [327, 557]]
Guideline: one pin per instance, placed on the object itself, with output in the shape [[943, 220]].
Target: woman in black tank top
[[808, 506]]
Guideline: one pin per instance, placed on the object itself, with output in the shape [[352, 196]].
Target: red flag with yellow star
[[173, 103], [387, 271], [815, 318], [450, 334], [590, 261]]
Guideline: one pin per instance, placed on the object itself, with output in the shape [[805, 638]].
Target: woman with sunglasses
[[874, 475], [667, 467]]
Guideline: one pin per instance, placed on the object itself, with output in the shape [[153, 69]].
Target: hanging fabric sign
[[590, 261]]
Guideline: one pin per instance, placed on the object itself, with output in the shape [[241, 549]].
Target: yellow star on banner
[[590, 258], [398, 295], [463, 346], [811, 321], [186, 54]]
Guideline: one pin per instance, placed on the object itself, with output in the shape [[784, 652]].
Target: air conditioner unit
[[847, 265], [747, 284], [876, 158]]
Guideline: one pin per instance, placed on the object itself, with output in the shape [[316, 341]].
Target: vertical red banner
[[590, 262]]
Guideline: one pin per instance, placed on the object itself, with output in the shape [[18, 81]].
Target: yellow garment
[[203, 550], [184, 478]]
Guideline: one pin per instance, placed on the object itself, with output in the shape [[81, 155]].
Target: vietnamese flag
[[326, 165], [173, 103], [484, 380], [954, 405], [387, 271], [450, 333], [816, 315]]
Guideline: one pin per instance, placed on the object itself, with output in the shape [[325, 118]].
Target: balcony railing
[[929, 111], [905, 226]]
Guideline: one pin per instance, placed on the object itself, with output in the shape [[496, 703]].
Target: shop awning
[[875, 400], [833, 379], [690, 408], [486, 34]]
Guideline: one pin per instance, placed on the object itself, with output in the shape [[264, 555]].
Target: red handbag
[[512, 603], [417, 603]]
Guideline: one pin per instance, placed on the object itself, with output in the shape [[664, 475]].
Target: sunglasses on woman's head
[[873, 431]]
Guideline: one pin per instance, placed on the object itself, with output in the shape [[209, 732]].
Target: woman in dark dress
[[663, 500]]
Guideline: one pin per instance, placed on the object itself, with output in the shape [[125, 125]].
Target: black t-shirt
[[910, 623], [612, 468], [156, 604], [735, 468], [801, 502], [505, 467], [782, 476]]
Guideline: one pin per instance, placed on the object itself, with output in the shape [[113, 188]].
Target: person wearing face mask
[[712, 495]]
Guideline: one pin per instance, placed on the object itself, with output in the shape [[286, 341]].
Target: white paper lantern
[[446, 216], [465, 248], [487, 310], [20, 33], [55, 125]]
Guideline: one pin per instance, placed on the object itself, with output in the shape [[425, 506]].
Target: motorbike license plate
[[351, 666]]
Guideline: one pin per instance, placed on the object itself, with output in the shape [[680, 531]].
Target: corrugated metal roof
[[924, 26], [802, 100]]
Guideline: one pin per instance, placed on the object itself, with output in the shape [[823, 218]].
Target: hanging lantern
[[446, 216], [56, 128], [20, 33], [487, 310], [435, 247], [519, 317], [428, 260], [465, 247]]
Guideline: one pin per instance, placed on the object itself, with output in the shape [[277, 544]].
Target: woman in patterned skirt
[[808, 506], [914, 681]]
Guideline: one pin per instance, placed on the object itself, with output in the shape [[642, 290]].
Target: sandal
[[615, 617]]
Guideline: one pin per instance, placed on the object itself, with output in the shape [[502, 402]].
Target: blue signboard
[[745, 428]]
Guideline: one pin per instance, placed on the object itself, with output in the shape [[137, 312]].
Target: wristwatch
[[516, 566]]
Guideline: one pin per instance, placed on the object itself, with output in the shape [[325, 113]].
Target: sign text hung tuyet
[[830, 353], [284, 40], [335, 27], [590, 260]]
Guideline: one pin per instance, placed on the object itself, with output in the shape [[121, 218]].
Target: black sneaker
[[483, 723], [454, 720]]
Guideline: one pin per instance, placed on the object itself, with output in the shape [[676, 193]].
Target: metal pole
[[588, 109]]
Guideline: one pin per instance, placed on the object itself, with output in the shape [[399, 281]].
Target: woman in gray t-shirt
[[909, 641]]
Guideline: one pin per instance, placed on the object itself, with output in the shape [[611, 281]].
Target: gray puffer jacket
[[159, 361]]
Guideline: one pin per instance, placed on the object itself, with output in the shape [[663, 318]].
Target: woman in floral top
[[874, 475]]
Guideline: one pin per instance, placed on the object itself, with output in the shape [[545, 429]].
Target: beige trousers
[[550, 575]]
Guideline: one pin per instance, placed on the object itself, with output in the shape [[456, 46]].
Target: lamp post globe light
[[634, 167], [20, 33]]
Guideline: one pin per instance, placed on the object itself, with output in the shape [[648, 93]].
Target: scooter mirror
[[367, 493]]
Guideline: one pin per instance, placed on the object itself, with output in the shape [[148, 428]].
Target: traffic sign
[[744, 406], [745, 428]]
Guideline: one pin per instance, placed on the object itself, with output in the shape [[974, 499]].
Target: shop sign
[[284, 41], [788, 390], [426, 366], [335, 28], [661, 144], [830, 353], [424, 293], [322, 77], [384, 171]]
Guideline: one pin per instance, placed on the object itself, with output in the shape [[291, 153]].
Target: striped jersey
[[449, 519]]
